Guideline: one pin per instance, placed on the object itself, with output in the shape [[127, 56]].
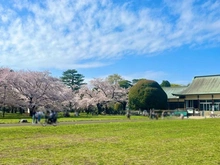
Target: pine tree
[[73, 79]]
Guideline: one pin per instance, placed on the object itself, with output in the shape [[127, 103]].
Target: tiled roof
[[202, 85], [170, 90]]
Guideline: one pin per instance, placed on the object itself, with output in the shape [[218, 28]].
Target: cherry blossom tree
[[32, 90], [88, 97], [37, 89], [101, 93], [70, 102], [113, 92], [4, 73]]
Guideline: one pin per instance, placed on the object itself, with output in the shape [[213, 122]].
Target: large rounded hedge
[[147, 94]]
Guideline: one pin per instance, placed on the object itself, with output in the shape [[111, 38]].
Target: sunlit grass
[[143, 142], [15, 118]]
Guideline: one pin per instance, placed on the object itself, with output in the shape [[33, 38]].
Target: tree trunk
[[3, 114], [124, 103], [99, 106]]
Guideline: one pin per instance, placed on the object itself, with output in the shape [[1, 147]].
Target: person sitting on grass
[[51, 117]]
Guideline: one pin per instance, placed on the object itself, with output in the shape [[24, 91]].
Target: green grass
[[157, 142], [11, 118]]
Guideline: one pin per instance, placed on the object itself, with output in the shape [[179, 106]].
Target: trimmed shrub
[[147, 94]]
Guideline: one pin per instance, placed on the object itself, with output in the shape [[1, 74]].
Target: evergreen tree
[[114, 79], [125, 84], [165, 83], [73, 79], [134, 81]]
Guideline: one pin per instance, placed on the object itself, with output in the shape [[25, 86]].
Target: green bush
[[147, 94]]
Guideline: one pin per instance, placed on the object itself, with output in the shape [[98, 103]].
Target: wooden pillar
[[184, 103], [212, 100], [178, 103], [212, 103]]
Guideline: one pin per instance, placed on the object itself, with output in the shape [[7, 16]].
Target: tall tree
[[102, 93], [134, 81], [125, 84], [165, 83], [114, 79], [73, 79], [36, 89], [4, 73]]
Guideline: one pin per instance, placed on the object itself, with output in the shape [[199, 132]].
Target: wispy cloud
[[64, 34]]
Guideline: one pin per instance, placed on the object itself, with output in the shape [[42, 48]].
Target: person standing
[[40, 114], [36, 117], [212, 113], [33, 117]]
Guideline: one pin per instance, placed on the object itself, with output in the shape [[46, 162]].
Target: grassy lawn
[[14, 118], [142, 142]]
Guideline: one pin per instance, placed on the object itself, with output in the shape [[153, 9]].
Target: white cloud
[[64, 34]]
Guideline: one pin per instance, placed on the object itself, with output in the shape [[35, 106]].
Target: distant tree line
[[27, 91]]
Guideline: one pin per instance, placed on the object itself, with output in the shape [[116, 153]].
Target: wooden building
[[202, 94], [174, 102]]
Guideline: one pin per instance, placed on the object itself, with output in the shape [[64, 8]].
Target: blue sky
[[158, 40]]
